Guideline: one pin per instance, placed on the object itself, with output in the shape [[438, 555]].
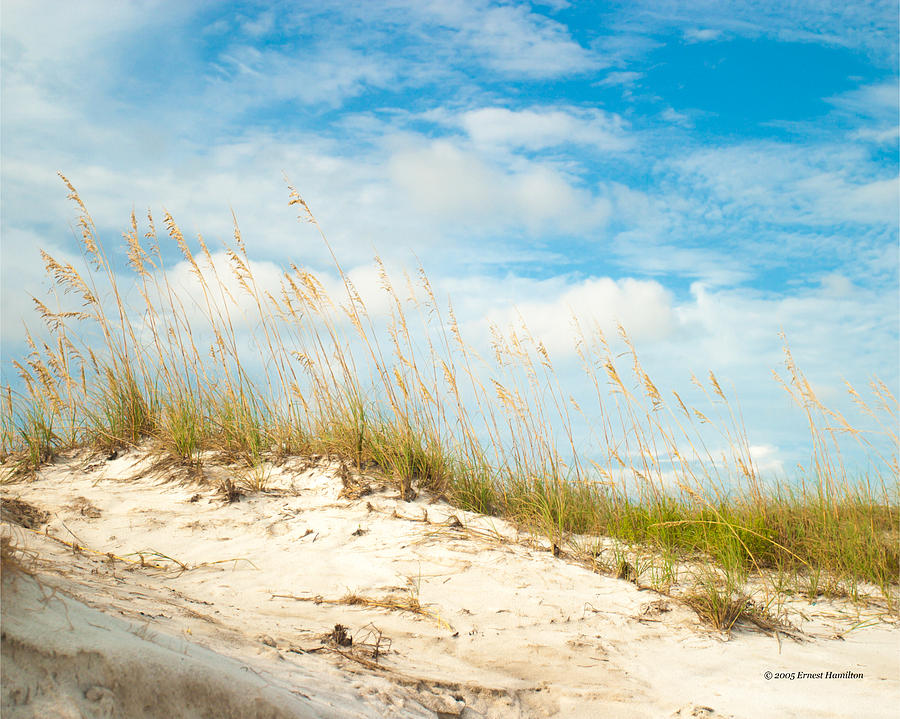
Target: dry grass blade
[[718, 608], [398, 603], [178, 566]]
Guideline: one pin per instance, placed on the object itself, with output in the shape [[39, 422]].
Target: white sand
[[511, 630]]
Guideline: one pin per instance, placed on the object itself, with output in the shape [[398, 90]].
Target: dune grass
[[406, 395]]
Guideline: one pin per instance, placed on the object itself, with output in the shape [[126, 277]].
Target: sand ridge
[[249, 589]]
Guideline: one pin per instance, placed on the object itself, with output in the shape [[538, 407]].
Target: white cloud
[[835, 199], [538, 129], [644, 308], [767, 460], [886, 136], [510, 38], [880, 100], [258, 26], [792, 183], [39, 34], [621, 77], [734, 332], [328, 75], [402, 195], [56, 57], [869, 26], [674, 117], [834, 284], [834, 328], [659, 233], [702, 34], [553, 4], [448, 182], [874, 109]]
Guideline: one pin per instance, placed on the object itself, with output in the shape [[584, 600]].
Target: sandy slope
[[509, 630]]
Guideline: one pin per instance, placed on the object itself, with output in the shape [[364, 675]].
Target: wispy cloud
[[626, 78], [541, 128], [869, 26], [879, 104], [702, 34], [255, 78], [785, 184], [510, 38]]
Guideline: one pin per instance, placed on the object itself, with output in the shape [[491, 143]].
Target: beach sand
[[181, 604]]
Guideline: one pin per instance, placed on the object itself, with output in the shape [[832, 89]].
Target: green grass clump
[[403, 392], [242, 429], [718, 602], [39, 441], [182, 428], [475, 490], [408, 456], [124, 413]]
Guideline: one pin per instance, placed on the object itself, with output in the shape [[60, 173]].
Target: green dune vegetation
[[405, 396]]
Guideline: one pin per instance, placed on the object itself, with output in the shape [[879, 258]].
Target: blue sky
[[707, 173]]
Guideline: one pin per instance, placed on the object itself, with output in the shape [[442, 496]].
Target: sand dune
[[181, 604]]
